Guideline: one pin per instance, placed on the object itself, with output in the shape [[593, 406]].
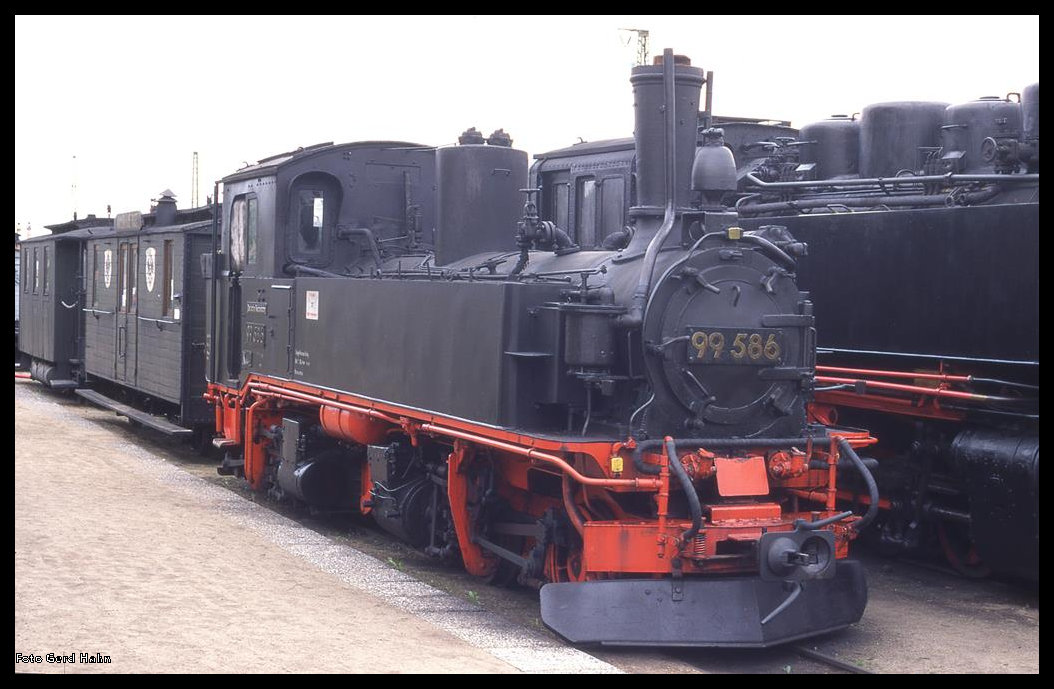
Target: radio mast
[[642, 45], [194, 183]]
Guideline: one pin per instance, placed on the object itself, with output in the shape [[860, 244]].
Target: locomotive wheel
[[575, 570], [563, 564]]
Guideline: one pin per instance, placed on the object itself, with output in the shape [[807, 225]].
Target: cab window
[[238, 223], [314, 204], [311, 220], [250, 230]]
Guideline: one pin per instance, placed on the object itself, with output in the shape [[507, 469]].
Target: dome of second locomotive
[[894, 135]]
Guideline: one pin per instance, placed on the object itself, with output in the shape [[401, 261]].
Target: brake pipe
[[895, 374], [919, 375], [918, 389], [293, 395], [531, 453]]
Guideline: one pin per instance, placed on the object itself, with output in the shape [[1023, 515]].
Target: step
[[149, 420]]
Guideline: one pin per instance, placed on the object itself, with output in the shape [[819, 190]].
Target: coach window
[[122, 278], [168, 280], [238, 234], [612, 200], [586, 212], [133, 284], [45, 269], [559, 209], [36, 271], [25, 271], [94, 276]]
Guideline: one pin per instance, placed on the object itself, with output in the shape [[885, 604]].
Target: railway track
[[826, 659]]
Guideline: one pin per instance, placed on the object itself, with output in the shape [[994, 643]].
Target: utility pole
[[194, 183], [642, 45]]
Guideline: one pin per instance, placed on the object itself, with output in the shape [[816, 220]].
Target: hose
[[571, 508], [872, 488], [689, 490]]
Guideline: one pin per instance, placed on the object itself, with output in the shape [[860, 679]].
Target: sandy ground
[[225, 566], [111, 558]]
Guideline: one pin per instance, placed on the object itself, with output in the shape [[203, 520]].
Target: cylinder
[[1030, 112], [893, 136], [967, 125], [832, 146], [649, 131], [479, 199]]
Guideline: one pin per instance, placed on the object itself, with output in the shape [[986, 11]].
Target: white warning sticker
[[311, 305], [151, 268]]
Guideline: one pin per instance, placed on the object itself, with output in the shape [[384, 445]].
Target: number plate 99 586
[[751, 346]]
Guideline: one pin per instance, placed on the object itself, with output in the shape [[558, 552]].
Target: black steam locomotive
[[922, 222], [625, 427], [398, 330]]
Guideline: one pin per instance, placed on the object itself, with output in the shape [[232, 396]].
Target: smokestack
[[649, 124]]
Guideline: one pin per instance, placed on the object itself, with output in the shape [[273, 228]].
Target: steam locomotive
[[397, 330], [625, 427], [922, 221]]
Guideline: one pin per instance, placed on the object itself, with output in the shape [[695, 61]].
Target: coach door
[[101, 308], [160, 332], [127, 311]]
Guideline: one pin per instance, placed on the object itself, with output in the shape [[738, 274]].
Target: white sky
[[133, 97]]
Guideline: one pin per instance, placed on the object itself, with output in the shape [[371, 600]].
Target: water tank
[[892, 134], [831, 146], [479, 199], [967, 125]]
